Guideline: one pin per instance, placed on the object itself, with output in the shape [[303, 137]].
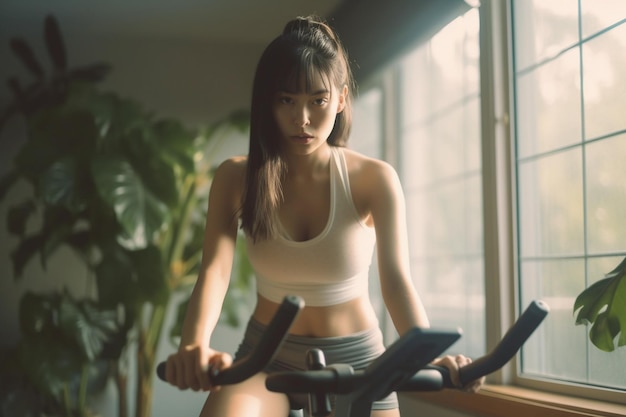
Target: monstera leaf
[[139, 212], [603, 304]]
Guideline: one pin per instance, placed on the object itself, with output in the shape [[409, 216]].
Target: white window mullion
[[497, 178]]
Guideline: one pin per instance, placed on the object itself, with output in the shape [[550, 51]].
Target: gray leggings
[[357, 350]]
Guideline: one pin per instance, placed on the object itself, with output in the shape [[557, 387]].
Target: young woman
[[312, 212]]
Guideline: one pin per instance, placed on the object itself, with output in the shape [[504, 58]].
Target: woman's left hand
[[453, 363]]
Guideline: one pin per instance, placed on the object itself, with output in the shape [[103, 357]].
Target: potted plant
[[603, 305], [124, 189]]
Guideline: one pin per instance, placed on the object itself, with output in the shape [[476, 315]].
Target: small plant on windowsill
[[603, 305]]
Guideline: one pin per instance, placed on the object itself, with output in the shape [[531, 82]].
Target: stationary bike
[[404, 366]]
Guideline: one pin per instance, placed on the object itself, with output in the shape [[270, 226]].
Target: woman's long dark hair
[[307, 47]]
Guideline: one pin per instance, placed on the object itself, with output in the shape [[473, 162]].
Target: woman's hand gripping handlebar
[[263, 354]]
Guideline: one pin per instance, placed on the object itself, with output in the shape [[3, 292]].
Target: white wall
[[413, 407]]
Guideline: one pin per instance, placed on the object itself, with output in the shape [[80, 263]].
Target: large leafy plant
[[124, 189], [603, 304]]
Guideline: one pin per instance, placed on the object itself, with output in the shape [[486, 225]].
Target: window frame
[[500, 207]]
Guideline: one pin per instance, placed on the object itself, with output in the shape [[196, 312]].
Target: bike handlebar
[[343, 380], [404, 364], [264, 352], [511, 342]]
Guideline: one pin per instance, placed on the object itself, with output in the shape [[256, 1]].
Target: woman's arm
[[188, 367], [387, 207], [401, 298]]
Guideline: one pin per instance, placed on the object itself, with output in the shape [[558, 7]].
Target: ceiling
[[238, 21]]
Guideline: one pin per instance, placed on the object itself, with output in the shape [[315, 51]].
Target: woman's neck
[[310, 165]]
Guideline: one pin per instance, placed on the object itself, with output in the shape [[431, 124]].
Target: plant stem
[[67, 402], [82, 389], [121, 382], [172, 245], [146, 358]]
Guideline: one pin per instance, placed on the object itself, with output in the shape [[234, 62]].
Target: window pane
[[440, 163], [558, 348], [366, 133], [543, 29], [548, 106], [606, 195], [443, 72], [604, 82], [366, 137], [599, 14], [551, 205]]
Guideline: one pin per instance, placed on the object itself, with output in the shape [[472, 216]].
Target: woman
[[311, 211]]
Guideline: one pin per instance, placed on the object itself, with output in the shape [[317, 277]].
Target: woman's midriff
[[329, 321]]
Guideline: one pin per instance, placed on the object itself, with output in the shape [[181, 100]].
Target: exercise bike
[[404, 366]]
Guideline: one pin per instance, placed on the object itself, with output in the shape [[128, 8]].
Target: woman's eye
[[321, 101]]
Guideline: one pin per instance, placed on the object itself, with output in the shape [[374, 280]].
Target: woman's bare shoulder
[[367, 170], [229, 178], [233, 168]]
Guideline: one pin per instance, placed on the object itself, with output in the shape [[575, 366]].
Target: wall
[[413, 407]]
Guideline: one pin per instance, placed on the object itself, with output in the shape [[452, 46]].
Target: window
[[570, 136], [440, 167], [563, 158]]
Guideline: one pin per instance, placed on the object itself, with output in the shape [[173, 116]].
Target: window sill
[[509, 401]]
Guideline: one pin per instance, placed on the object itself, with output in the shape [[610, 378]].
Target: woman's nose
[[301, 116]]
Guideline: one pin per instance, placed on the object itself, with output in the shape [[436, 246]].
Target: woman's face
[[305, 118]]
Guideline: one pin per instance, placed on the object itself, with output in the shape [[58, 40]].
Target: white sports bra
[[329, 269]]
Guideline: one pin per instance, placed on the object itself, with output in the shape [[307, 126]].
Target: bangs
[[301, 71]]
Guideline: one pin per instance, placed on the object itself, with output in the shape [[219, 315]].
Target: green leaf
[[603, 304], [175, 142], [24, 252], [115, 277], [140, 214], [69, 129], [36, 314], [115, 119], [156, 172], [7, 182], [25, 53], [149, 270], [61, 184], [18, 216], [54, 44], [50, 364], [88, 326], [35, 156], [55, 133]]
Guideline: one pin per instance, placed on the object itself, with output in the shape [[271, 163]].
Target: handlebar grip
[[512, 341], [431, 378], [264, 352]]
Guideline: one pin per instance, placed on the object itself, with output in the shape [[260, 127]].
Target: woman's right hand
[[190, 367]]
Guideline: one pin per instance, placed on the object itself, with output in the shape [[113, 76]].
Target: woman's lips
[[302, 138]]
